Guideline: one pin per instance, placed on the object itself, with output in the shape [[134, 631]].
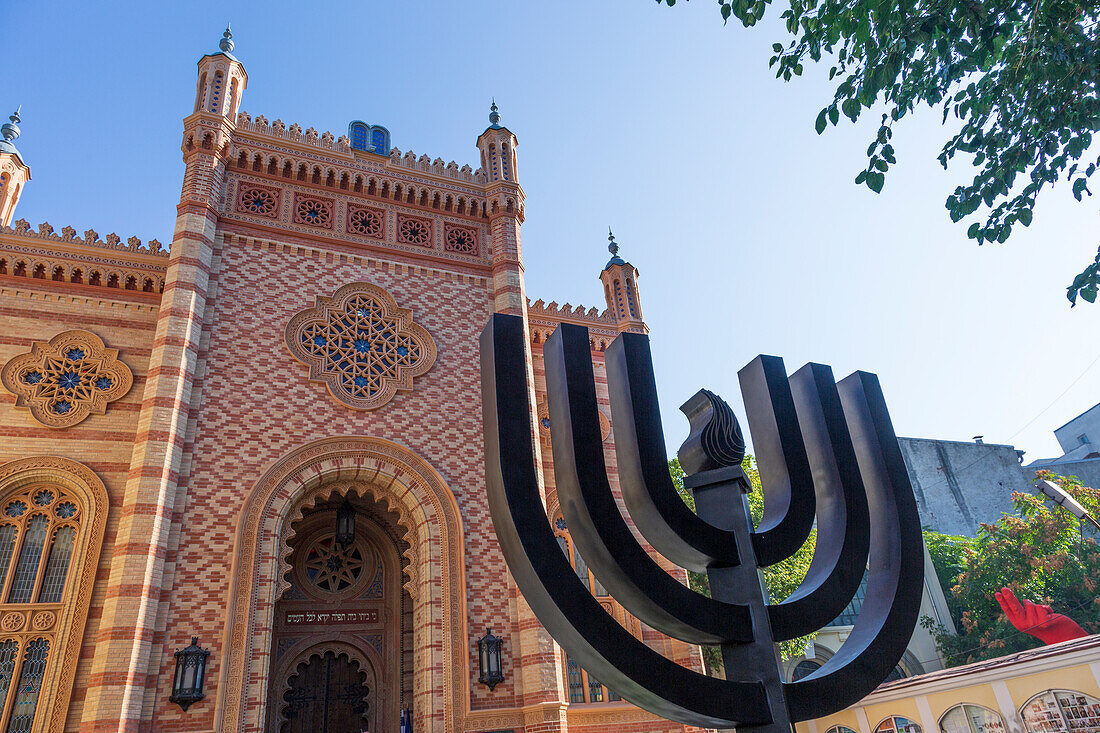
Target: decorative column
[[126, 661]]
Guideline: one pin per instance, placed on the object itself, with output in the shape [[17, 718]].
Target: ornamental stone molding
[[65, 623], [361, 345], [426, 506], [66, 379]]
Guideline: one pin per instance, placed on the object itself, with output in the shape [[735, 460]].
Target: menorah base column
[[720, 498]]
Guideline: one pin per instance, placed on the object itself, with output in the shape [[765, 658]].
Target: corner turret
[[620, 283], [14, 173], [505, 208]]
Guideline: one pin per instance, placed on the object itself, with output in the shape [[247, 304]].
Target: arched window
[[804, 668], [581, 687], [840, 729], [971, 719], [1056, 711], [52, 516], [216, 92], [897, 724]]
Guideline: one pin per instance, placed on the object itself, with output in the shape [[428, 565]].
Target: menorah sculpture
[[823, 449]]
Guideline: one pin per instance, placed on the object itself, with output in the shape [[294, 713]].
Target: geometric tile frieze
[[361, 345], [65, 380]]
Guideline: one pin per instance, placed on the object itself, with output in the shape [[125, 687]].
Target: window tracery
[[361, 345], [367, 222], [411, 230], [462, 240], [258, 200], [312, 211], [66, 379]]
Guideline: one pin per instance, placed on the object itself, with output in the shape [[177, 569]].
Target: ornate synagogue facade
[[267, 437]]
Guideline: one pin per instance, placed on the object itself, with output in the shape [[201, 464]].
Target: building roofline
[[1078, 417]]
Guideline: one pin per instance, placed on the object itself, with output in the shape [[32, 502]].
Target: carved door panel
[[327, 695]]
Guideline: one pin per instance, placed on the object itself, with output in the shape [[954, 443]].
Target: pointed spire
[[494, 116], [613, 248], [226, 43]]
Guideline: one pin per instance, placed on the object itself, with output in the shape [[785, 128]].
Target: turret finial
[[613, 248], [226, 43], [494, 116], [10, 130]]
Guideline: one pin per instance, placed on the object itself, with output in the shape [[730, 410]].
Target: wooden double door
[[327, 694]]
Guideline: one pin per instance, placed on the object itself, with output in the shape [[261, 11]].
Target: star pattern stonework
[[361, 345], [67, 379]]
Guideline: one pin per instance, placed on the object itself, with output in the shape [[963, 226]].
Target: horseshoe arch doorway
[[341, 642]]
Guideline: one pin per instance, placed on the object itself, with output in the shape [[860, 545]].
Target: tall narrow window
[[216, 92], [378, 142], [57, 567], [8, 533], [30, 556], [30, 684], [576, 683], [9, 652]]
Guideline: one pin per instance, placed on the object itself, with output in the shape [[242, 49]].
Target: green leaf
[[1025, 217], [875, 181], [821, 122], [834, 115], [850, 108], [973, 231], [1089, 293], [1079, 187]]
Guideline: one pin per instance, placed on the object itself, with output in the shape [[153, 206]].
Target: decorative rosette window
[[361, 345], [65, 380], [581, 686]]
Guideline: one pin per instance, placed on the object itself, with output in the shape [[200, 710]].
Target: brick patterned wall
[[257, 405], [36, 311]]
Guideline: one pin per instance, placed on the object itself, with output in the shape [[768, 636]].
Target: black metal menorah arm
[[824, 450]]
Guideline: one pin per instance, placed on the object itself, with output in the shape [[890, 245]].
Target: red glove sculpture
[[1039, 621]]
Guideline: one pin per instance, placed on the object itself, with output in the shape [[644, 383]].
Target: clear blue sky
[[745, 225]]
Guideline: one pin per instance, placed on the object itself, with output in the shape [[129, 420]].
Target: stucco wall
[[959, 485]]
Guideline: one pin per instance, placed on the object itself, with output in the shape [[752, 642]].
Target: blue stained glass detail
[[359, 136], [362, 313], [362, 346], [32, 377], [62, 407], [68, 380], [320, 340], [403, 350], [378, 141], [75, 354], [66, 510], [103, 383], [16, 509], [361, 381], [44, 497], [560, 524]]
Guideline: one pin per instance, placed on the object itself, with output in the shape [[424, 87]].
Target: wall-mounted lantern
[[345, 524], [488, 657], [190, 671]]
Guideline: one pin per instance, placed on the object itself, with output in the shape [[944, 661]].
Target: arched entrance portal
[[341, 645], [403, 482]]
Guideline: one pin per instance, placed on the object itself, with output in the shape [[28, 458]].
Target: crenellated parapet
[[64, 257], [326, 141], [544, 318]]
